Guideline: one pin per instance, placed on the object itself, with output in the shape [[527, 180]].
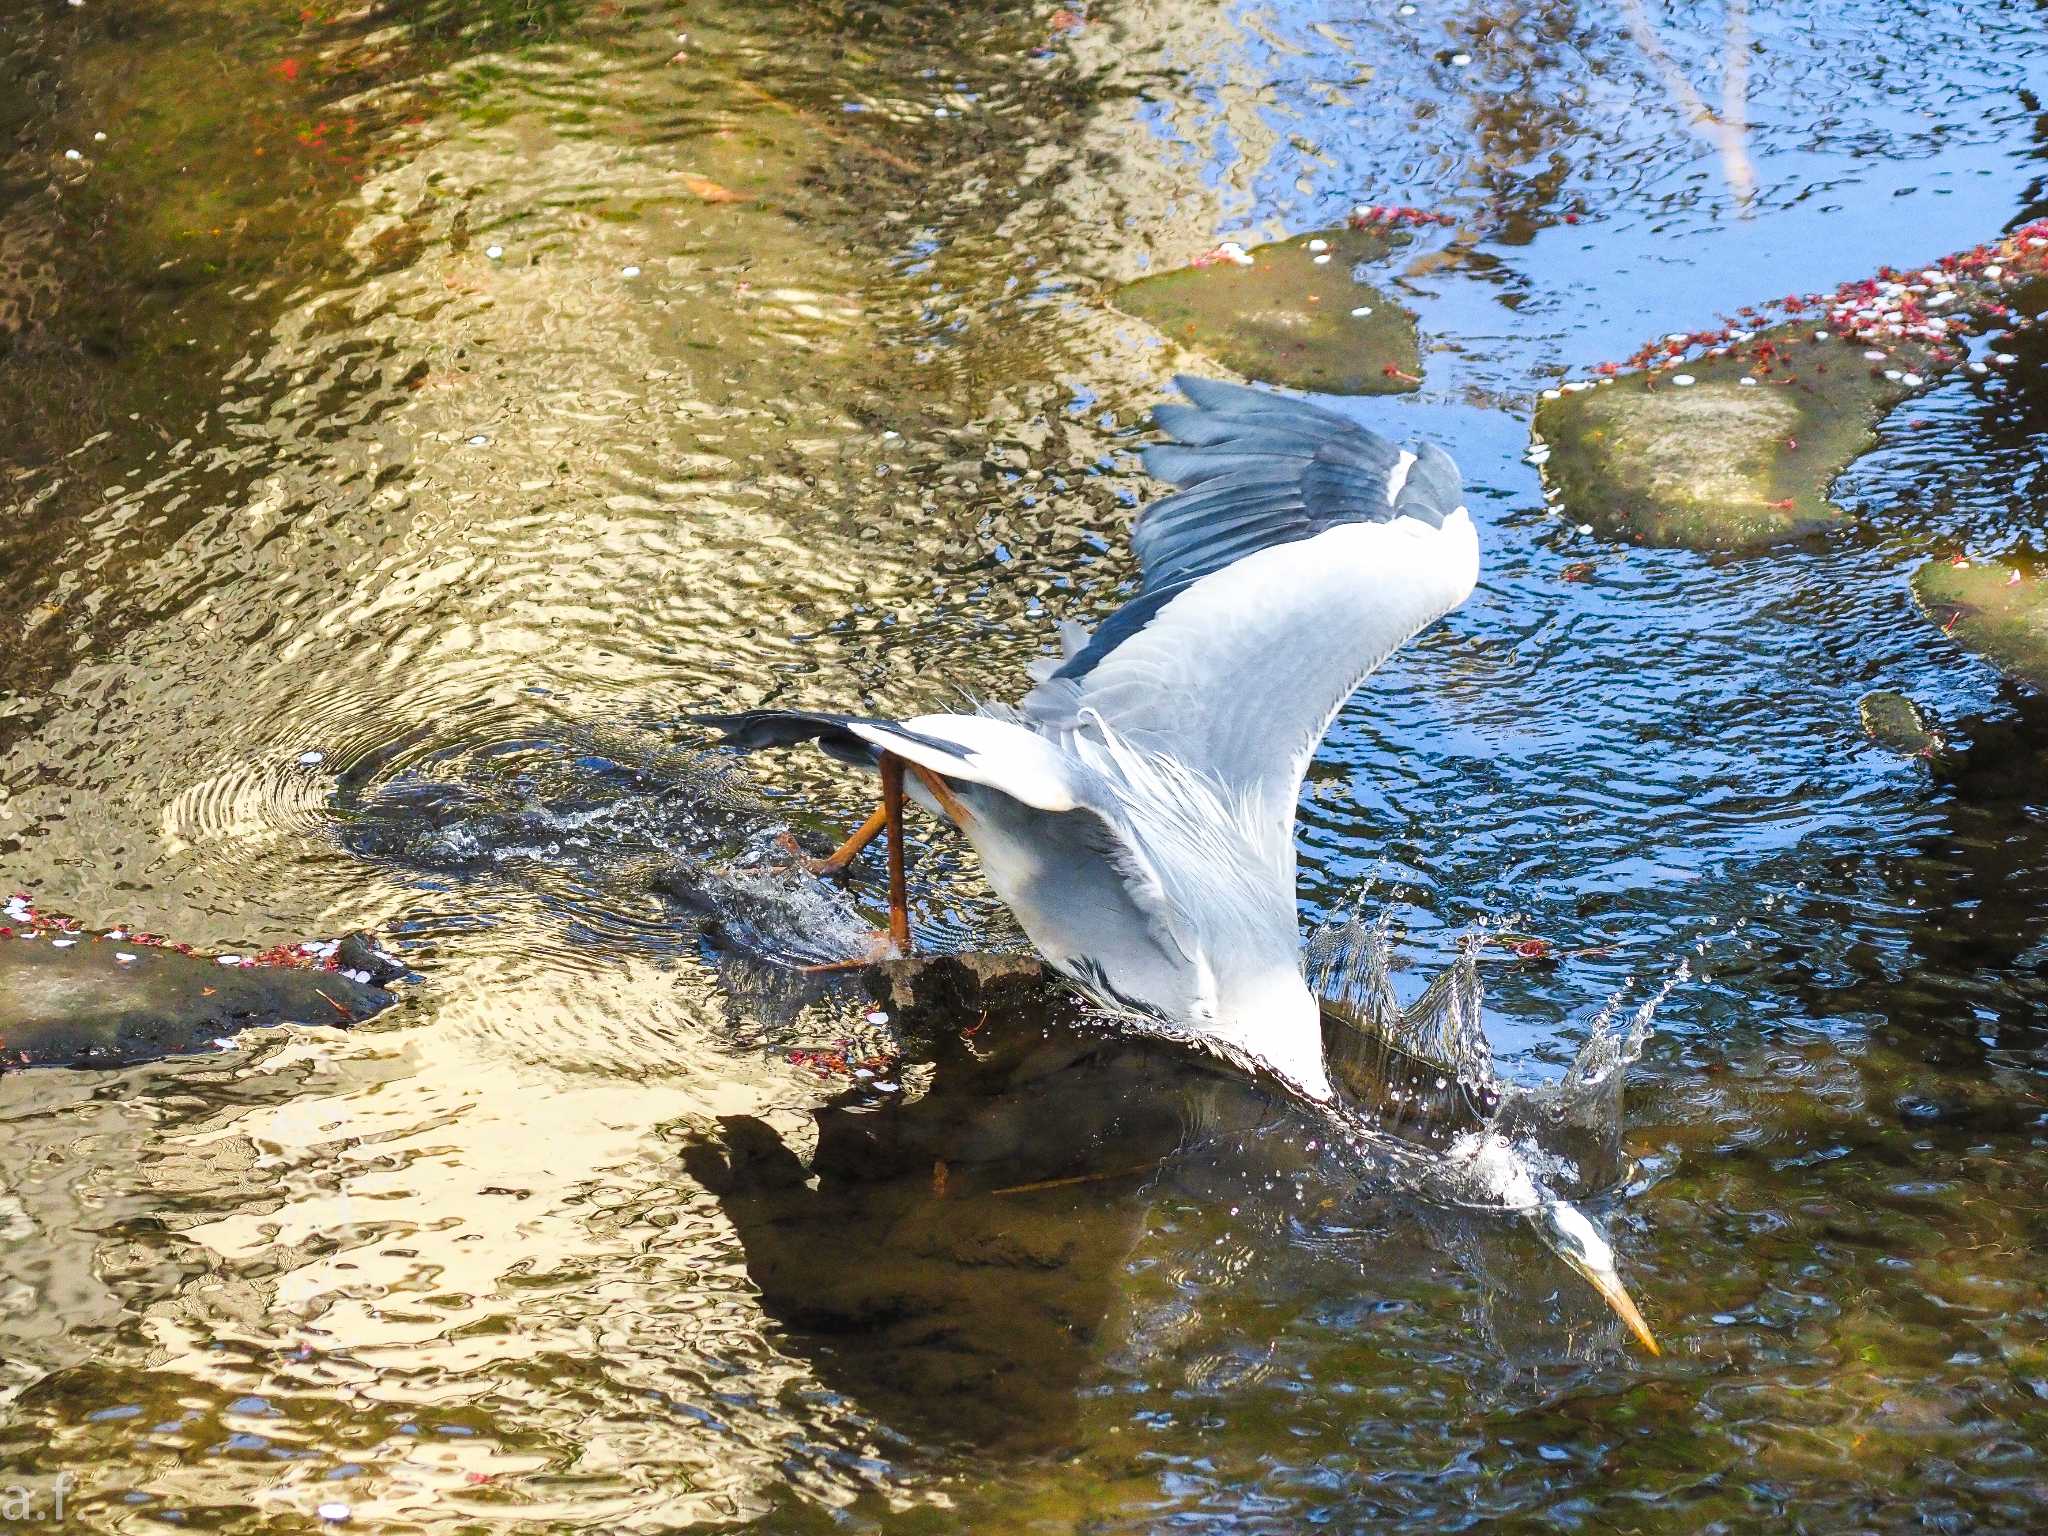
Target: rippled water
[[465, 390]]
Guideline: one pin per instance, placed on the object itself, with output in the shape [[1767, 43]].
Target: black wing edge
[[756, 730]]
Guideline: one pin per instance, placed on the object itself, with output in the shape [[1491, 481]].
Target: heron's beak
[[1579, 1243]]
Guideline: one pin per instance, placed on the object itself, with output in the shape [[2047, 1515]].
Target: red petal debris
[[26, 921], [840, 1062], [289, 69], [1382, 216], [1933, 306]]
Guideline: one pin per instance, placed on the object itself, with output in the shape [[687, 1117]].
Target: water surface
[[466, 390]]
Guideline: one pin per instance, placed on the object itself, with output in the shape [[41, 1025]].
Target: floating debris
[[1721, 466]]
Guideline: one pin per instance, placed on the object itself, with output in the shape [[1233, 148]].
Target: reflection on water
[[464, 389]]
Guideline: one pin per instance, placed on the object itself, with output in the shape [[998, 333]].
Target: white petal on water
[[1319, 245], [1361, 312], [495, 252], [629, 271], [311, 759], [1684, 380], [1911, 380]]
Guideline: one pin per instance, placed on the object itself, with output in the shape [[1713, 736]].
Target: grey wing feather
[[1267, 595]]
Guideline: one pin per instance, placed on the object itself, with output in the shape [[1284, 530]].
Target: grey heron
[[1135, 809]]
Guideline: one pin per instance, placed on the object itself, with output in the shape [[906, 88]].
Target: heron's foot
[[881, 945], [840, 858], [798, 859]]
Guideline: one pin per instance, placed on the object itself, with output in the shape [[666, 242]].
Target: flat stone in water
[[1289, 318], [1723, 464], [1893, 720], [1998, 608], [81, 1005]]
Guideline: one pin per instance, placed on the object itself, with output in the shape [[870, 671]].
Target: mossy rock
[[1287, 318], [72, 1000], [1998, 608], [1720, 464], [1893, 720]]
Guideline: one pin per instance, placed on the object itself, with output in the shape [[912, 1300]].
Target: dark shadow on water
[[906, 1260]]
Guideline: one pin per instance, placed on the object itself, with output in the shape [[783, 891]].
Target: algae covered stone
[[1295, 313], [1998, 608], [1715, 462], [76, 999], [1895, 721]]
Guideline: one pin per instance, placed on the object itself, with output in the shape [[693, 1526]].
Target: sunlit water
[[466, 391]]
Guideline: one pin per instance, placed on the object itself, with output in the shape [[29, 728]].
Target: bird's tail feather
[[755, 730]]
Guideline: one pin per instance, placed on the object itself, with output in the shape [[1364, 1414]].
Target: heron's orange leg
[[888, 817], [942, 792], [847, 851], [892, 811]]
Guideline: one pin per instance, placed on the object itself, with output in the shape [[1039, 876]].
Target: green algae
[[95, 1001], [1290, 316], [1997, 608], [1720, 463], [1895, 721]]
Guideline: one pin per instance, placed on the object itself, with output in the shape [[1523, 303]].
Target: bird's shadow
[[958, 1258]]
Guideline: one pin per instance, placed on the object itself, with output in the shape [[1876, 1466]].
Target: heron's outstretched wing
[[1301, 551]]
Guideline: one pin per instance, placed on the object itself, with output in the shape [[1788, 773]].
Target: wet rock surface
[[74, 999], [1998, 608], [1731, 438], [1892, 720], [1720, 462], [1296, 313]]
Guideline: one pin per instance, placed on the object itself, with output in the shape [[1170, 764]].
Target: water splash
[[1421, 1096]]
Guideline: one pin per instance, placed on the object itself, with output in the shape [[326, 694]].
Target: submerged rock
[[69, 998], [1293, 313], [1732, 438], [1893, 720], [1719, 463], [1998, 608]]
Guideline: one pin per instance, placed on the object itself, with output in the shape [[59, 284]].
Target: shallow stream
[[464, 390]]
